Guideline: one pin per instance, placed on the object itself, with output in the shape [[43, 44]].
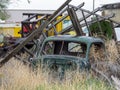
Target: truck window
[[65, 48], [70, 48], [74, 47], [77, 49]]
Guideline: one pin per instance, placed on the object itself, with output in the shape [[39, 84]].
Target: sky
[[54, 4]]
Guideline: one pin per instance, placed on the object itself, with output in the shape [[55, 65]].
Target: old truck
[[67, 52]]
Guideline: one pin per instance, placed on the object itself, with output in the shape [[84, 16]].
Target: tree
[[3, 6]]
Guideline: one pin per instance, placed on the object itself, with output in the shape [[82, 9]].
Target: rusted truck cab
[[67, 52]]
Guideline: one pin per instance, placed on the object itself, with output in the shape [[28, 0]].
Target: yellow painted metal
[[7, 31], [72, 33], [11, 31], [59, 25], [38, 24], [51, 32], [16, 31]]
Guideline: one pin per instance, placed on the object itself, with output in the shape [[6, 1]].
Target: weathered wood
[[75, 21]]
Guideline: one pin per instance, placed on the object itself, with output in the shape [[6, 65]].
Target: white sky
[[54, 4]]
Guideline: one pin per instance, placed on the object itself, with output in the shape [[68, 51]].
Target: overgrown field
[[16, 76]]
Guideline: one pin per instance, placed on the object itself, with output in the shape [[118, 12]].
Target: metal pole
[[93, 4]]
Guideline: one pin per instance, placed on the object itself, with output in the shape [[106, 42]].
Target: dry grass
[[112, 51], [16, 76]]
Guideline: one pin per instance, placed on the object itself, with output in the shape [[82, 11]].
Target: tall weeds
[[14, 75]]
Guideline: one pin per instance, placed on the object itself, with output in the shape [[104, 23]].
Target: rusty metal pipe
[[52, 17], [79, 6], [80, 20], [98, 15], [91, 22]]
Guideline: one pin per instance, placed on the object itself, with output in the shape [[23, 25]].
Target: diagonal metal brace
[[75, 21]]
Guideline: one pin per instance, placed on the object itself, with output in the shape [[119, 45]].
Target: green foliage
[[3, 5], [3, 15], [106, 28]]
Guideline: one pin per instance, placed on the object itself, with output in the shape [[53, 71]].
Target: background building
[[109, 9], [12, 25], [16, 15]]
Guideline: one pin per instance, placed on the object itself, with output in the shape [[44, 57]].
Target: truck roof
[[84, 39]]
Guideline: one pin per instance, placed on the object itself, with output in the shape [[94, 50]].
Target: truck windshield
[[65, 48]]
